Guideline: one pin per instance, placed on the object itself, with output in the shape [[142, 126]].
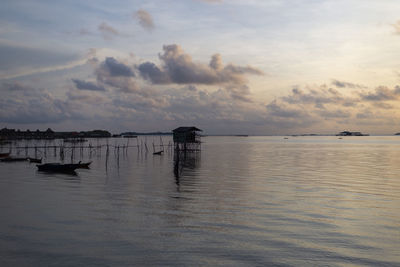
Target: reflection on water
[[185, 164], [241, 201]]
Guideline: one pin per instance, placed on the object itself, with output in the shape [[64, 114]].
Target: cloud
[[382, 105], [192, 88], [318, 97], [329, 110], [116, 68], [342, 84], [215, 95], [83, 85], [240, 92], [335, 113], [216, 62], [178, 67], [382, 93], [30, 108], [107, 31], [145, 19], [85, 97], [116, 74], [281, 110], [151, 72], [365, 114]]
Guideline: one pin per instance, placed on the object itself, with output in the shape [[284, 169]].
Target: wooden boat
[[11, 159], [33, 160], [58, 167], [130, 136], [4, 155]]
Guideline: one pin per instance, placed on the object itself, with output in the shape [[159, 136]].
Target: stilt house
[[187, 138]]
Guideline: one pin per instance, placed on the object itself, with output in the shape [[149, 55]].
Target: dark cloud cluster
[[84, 85], [109, 73], [116, 68], [116, 74], [151, 72], [178, 67]]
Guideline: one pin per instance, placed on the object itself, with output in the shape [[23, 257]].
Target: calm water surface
[[242, 201]]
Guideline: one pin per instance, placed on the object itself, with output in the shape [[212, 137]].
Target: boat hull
[[57, 167]]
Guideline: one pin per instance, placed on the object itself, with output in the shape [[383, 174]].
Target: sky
[[253, 67]]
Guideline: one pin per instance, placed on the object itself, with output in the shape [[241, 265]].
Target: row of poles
[[63, 149]]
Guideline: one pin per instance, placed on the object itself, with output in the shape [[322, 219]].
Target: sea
[[240, 201]]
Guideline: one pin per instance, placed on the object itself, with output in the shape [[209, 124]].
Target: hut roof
[[186, 129]]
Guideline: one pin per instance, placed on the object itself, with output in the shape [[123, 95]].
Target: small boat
[[58, 167], [158, 152], [11, 159], [130, 136], [33, 160], [4, 155]]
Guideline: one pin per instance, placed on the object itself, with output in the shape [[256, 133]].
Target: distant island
[[348, 133], [13, 134]]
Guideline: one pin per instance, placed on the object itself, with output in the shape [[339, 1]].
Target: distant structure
[[12, 134], [18, 134], [187, 139], [348, 133]]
